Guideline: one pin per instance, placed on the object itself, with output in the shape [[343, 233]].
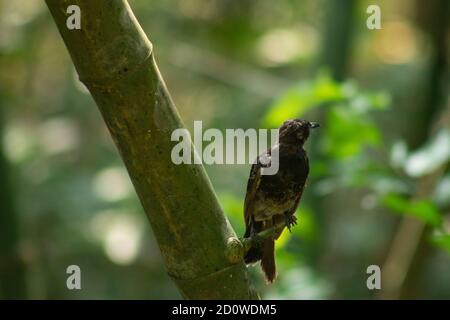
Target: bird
[[273, 199]]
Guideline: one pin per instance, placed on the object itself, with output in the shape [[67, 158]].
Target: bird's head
[[296, 131]]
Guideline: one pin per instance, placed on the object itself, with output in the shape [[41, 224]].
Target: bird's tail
[[264, 251], [268, 260], [255, 253]]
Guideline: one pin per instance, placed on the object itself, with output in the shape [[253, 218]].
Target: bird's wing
[[298, 196], [303, 181], [252, 187]]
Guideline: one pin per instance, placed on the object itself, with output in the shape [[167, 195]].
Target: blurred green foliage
[[230, 64], [423, 210]]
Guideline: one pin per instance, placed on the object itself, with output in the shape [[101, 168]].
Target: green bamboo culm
[[115, 60]]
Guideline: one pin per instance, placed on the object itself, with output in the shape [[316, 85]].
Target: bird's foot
[[291, 220]]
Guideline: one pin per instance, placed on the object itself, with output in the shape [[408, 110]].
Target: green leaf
[[424, 210], [295, 102], [347, 134], [323, 91], [442, 241]]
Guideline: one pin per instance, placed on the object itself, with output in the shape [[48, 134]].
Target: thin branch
[[263, 235]]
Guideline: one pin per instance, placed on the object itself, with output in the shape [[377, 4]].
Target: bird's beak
[[313, 125]]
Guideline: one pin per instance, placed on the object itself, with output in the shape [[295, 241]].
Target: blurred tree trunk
[[12, 269], [337, 36], [410, 250], [115, 60], [433, 18]]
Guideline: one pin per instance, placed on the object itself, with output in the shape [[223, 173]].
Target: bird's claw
[[291, 220]]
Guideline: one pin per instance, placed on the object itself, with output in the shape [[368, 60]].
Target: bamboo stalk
[[115, 60]]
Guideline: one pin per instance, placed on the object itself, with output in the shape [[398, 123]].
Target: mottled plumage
[[271, 199]]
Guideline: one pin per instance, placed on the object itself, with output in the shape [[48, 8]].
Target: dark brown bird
[[272, 199]]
